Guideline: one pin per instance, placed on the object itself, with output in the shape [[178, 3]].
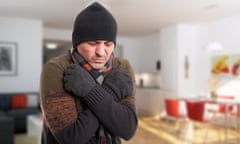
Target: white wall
[[148, 52], [168, 56], [129, 47], [28, 36], [182, 40], [142, 52], [186, 45], [57, 34], [226, 32]]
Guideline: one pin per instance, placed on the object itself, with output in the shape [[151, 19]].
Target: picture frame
[[220, 66], [226, 66], [235, 65], [8, 58]]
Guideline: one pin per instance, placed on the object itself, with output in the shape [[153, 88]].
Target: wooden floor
[[161, 131]]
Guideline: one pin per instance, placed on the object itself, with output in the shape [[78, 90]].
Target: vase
[[213, 95]]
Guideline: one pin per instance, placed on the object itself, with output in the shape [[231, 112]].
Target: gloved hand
[[118, 83], [77, 80]]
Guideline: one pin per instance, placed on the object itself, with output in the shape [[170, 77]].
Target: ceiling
[[135, 17]]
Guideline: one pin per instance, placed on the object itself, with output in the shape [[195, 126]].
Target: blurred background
[[177, 48]]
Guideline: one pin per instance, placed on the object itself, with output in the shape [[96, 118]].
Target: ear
[[78, 49]]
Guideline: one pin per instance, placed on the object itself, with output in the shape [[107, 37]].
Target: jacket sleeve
[[67, 122], [119, 118]]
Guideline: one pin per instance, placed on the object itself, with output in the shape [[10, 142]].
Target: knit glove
[[77, 80], [118, 83]]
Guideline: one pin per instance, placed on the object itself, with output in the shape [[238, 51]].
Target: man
[[87, 95]]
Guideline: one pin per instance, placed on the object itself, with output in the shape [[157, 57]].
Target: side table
[[34, 126]]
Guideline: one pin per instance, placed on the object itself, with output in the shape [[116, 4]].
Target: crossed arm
[[71, 122]]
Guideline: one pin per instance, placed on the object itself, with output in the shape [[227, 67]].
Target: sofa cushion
[[6, 130], [32, 100], [19, 101], [5, 101], [2, 113]]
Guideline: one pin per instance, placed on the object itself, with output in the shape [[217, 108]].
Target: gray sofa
[[14, 109], [6, 129]]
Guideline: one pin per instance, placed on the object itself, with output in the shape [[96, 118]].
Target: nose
[[100, 50]]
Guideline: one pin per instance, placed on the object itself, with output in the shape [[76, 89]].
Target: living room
[[173, 45]]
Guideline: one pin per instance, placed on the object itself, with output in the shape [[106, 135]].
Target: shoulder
[[119, 62], [55, 65], [123, 64], [58, 63], [52, 73]]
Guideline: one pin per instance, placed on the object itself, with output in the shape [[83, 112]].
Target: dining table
[[229, 103]]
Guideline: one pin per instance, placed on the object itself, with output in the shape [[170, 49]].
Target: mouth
[[99, 60]]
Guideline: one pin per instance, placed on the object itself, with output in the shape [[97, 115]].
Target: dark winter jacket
[[67, 119]]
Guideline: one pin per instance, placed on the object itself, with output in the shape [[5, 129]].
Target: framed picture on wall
[[235, 65], [8, 59], [221, 66]]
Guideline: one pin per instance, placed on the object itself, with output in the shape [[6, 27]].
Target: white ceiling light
[[51, 46], [213, 46]]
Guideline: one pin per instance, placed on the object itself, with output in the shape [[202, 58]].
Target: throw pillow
[[5, 101], [19, 101], [32, 100]]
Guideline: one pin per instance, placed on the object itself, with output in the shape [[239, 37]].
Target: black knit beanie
[[94, 23]]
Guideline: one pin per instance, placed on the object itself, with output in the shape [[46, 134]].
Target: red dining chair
[[219, 108], [236, 117], [222, 107], [173, 112], [195, 110], [236, 114], [195, 113], [172, 107], [223, 110]]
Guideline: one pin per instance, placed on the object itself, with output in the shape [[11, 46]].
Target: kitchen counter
[[149, 101]]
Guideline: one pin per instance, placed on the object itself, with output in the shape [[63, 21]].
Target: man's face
[[96, 53]]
